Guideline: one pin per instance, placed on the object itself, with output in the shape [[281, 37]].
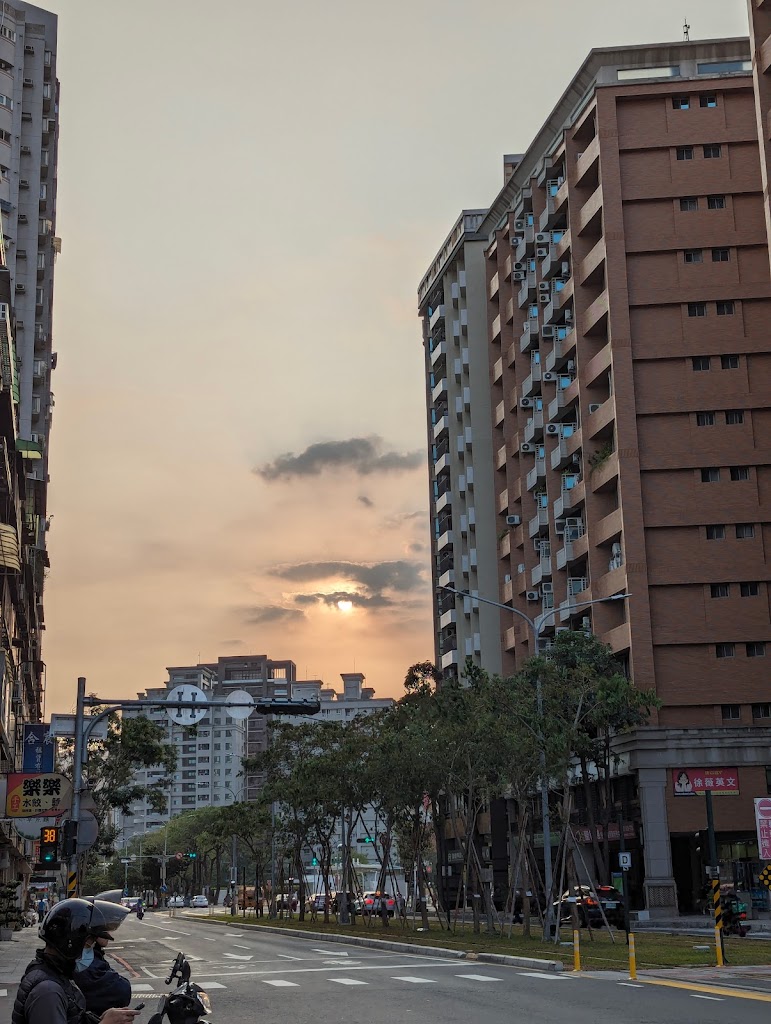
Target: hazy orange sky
[[249, 193]]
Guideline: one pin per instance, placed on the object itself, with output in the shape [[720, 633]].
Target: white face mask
[[85, 959]]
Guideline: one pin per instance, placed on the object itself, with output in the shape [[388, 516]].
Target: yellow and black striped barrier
[[718, 918], [72, 884]]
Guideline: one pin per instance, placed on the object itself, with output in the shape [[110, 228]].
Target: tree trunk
[[592, 819]]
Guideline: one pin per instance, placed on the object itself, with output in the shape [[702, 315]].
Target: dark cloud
[[417, 548], [401, 576], [357, 600], [362, 455], [365, 501], [271, 613]]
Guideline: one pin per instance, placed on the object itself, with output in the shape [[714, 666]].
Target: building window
[[768, 780], [708, 100], [716, 532], [740, 473], [745, 531], [730, 712], [700, 362], [734, 416], [749, 589], [689, 203], [725, 307], [710, 475], [693, 256], [761, 710], [721, 255], [720, 590], [685, 152], [755, 649], [729, 362], [716, 202], [705, 419], [681, 102], [697, 309], [5, 136], [713, 151], [725, 650]]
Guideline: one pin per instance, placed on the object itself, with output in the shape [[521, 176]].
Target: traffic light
[[49, 846], [192, 854], [368, 839], [69, 839], [315, 861]]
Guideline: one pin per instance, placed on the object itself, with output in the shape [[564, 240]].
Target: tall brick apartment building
[[628, 304]]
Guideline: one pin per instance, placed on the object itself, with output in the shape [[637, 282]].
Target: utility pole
[[342, 903], [77, 777], [234, 877]]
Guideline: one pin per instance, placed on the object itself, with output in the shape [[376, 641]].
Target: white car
[[176, 901], [199, 901]]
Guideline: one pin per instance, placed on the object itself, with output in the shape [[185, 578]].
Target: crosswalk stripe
[[280, 983], [478, 977], [415, 981], [206, 985], [541, 974], [348, 981], [141, 988], [3, 991]]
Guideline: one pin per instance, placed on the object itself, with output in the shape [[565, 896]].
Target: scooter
[[188, 1003]]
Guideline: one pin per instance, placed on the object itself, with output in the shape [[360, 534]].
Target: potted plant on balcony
[[10, 915]]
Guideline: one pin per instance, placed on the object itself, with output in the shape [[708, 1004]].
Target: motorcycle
[[188, 1003]]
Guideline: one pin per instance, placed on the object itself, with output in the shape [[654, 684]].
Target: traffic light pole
[[77, 778]]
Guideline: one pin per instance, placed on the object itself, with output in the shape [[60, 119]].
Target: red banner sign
[[697, 781], [763, 823]]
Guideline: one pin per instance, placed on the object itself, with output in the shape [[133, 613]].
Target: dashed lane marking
[[478, 977], [348, 981], [280, 983], [415, 981], [541, 974], [141, 988], [327, 952], [211, 984], [3, 991], [237, 945], [714, 999], [629, 984]]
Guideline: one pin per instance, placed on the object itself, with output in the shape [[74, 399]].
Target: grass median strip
[[654, 950]]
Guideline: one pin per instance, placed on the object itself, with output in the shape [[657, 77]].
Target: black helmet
[[67, 925]]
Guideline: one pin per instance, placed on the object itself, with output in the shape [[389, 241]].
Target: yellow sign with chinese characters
[[37, 795]]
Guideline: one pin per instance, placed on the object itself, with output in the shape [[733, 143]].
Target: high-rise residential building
[[452, 302], [630, 368], [760, 37]]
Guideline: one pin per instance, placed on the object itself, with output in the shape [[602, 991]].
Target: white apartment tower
[[452, 301]]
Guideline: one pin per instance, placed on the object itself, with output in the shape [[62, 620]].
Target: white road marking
[[415, 981], [541, 974], [328, 951], [350, 963], [236, 956], [478, 977], [141, 988], [207, 939], [3, 991], [237, 945], [280, 983], [629, 984], [712, 999], [348, 981], [211, 984], [286, 956], [233, 935]]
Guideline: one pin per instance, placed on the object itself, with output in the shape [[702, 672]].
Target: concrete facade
[[760, 37], [452, 304]]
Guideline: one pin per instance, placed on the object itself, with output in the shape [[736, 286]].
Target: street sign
[[125, 860], [240, 697], [38, 748], [763, 826], [64, 725], [625, 861], [765, 877], [31, 795], [186, 716], [179, 856]]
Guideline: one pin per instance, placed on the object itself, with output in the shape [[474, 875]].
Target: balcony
[[609, 528], [604, 477], [543, 569], [495, 330], [443, 501], [511, 355], [532, 378], [529, 337], [508, 592], [504, 549], [448, 659], [528, 286], [564, 400], [598, 421], [447, 578], [436, 316], [438, 352], [576, 546], [493, 288], [534, 426], [539, 520], [508, 310], [612, 582], [441, 427], [510, 640], [538, 472], [461, 365], [503, 503], [500, 458], [592, 263], [563, 453], [590, 212], [570, 498], [564, 348], [587, 159], [500, 414], [596, 314], [618, 639], [448, 618], [597, 365], [440, 391]]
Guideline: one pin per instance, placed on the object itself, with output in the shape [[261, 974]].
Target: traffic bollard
[[632, 959], [576, 949]]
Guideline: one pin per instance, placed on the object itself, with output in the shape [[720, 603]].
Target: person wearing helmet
[[102, 987], [47, 993]]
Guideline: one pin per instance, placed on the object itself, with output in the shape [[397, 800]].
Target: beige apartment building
[[629, 297]]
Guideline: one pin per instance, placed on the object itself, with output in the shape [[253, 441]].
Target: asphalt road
[[259, 977]]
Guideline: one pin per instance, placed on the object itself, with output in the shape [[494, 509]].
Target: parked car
[[176, 901], [200, 901], [365, 903], [589, 912], [379, 903]]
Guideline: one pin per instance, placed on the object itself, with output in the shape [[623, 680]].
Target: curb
[[554, 966]]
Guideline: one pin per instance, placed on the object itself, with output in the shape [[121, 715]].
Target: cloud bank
[[360, 455]]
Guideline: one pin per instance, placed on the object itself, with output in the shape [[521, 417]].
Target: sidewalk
[[16, 954], [697, 924]]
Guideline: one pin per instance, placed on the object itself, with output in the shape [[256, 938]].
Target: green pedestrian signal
[[192, 854], [315, 862]]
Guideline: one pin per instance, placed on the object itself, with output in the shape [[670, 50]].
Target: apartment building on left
[[29, 117]]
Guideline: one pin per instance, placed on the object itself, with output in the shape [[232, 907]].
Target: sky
[[249, 193]]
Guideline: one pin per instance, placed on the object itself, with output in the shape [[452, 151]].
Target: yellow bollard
[[632, 959], [717, 910], [576, 949]]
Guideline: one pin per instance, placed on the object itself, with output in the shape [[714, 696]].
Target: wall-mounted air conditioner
[[543, 238], [552, 429], [549, 376], [513, 520], [533, 595], [526, 403], [548, 331], [594, 406], [526, 448]]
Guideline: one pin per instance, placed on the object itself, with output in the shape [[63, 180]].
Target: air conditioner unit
[[23, 183], [526, 403], [565, 269], [549, 376], [519, 275], [29, 49], [23, 218], [21, 288], [568, 316], [542, 252], [513, 520], [552, 429], [533, 595], [548, 331], [526, 448], [26, 151], [543, 238], [544, 298], [559, 527], [615, 550], [544, 286], [547, 588], [519, 265], [519, 225], [586, 622], [29, 83], [571, 365], [37, 438], [594, 406]]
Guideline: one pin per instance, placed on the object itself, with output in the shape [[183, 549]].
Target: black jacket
[[46, 995], [102, 987]]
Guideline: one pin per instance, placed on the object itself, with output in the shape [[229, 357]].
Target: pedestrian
[[46, 992], [102, 987], [42, 909]]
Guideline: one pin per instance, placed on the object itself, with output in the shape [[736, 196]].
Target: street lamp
[[234, 859], [537, 625]]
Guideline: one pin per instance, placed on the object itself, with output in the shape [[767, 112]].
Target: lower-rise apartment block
[[629, 294]]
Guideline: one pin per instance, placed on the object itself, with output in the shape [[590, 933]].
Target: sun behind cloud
[[345, 606]]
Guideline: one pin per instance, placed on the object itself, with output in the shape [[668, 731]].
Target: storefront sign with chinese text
[[30, 796], [698, 781]]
